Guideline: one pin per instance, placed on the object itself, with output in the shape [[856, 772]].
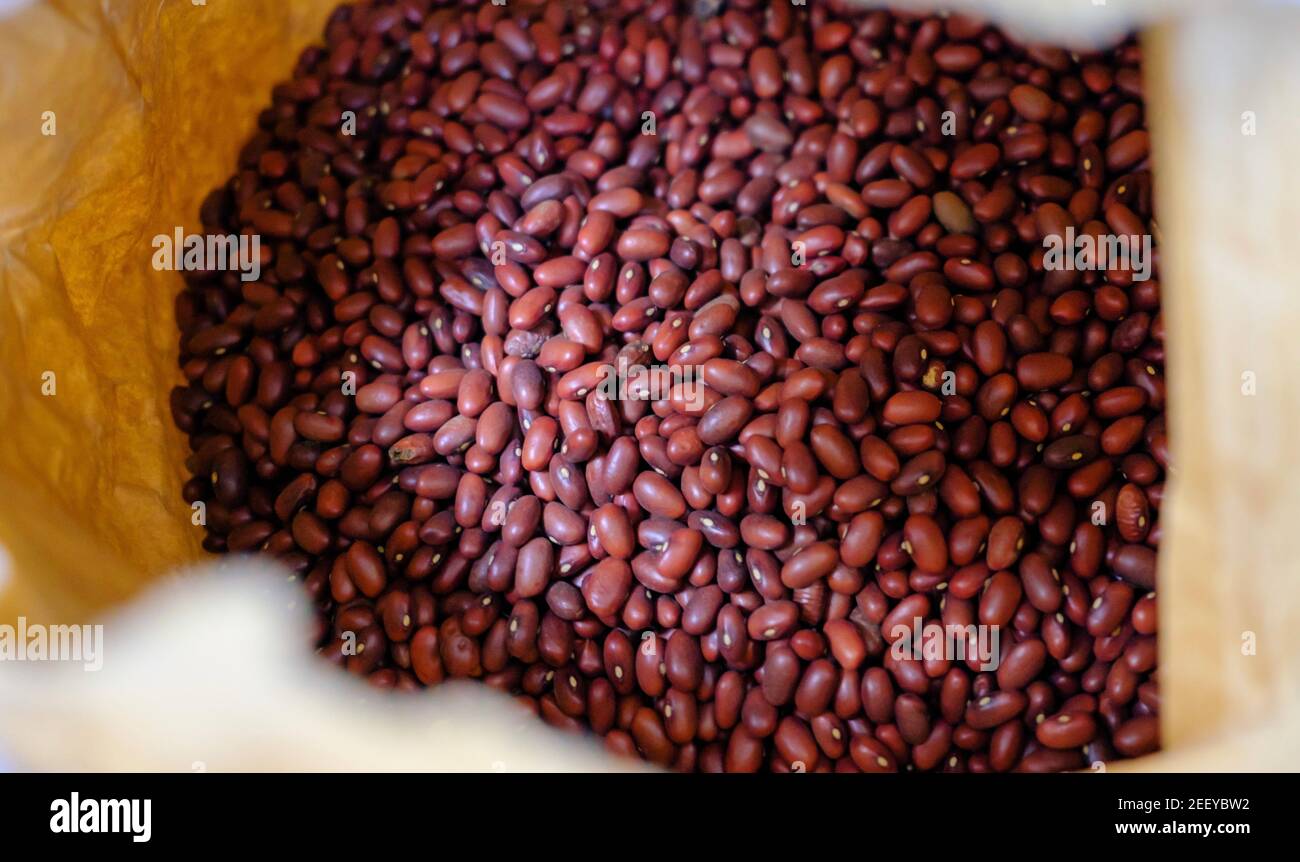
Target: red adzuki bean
[[851, 390]]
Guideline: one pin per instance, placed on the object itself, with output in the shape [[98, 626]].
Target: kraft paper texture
[[120, 115]]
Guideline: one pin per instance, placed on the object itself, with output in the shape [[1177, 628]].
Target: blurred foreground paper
[[210, 671]]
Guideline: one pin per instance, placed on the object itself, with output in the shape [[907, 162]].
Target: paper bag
[[121, 116]]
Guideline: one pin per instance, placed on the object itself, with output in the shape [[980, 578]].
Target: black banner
[[335, 811]]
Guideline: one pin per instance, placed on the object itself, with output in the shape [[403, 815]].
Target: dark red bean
[[676, 436]]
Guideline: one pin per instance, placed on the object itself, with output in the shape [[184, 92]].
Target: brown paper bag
[[122, 115]]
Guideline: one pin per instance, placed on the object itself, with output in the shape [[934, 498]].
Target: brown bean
[[666, 369]]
